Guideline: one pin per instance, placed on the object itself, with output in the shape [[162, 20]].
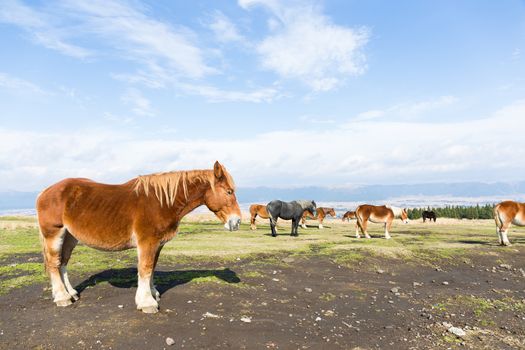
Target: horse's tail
[[270, 216], [499, 224], [41, 236], [358, 217]]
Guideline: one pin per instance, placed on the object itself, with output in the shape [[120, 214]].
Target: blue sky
[[285, 93]]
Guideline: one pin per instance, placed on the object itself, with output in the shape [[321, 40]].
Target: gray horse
[[288, 211]]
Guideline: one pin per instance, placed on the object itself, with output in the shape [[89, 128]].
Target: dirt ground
[[282, 302]]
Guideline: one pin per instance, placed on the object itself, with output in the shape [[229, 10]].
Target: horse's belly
[[377, 220], [104, 240], [519, 220]]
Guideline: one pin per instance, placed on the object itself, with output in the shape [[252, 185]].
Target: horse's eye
[[230, 192]]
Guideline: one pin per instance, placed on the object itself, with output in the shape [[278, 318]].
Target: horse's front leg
[[154, 290], [146, 262], [272, 227], [295, 226]]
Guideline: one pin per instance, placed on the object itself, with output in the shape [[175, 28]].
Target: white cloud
[[142, 38], [369, 152], [309, 47], [139, 104], [409, 110], [41, 27], [224, 29], [214, 94], [11, 83]]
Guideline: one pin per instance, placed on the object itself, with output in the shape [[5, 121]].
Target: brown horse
[[377, 214], [257, 209], [144, 212], [506, 213], [349, 215], [321, 214]]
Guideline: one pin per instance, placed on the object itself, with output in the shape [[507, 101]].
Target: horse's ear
[[218, 171]]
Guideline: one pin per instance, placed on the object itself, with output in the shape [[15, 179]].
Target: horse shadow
[[164, 280]]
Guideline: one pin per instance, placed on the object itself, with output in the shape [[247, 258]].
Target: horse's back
[[511, 210], [374, 212], [89, 210]]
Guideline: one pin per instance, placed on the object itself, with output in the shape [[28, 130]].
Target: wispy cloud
[[139, 104], [18, 85], [408, 110], [42, 27], [214, 94], [304, 44], [224, 29]]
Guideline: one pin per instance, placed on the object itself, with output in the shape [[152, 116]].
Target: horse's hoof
[[64, 303], [150, 309], [75, 296]]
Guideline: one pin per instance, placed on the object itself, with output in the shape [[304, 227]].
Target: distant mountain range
[[384, 192], [433, 194]]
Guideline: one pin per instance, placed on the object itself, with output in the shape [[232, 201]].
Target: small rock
[[308, 290], [417, 284], [458, 332], [505, 266], [445, 283], [395, 290], [275, 279], [210, 315], [120, 306], [317, 319], [288, 260], [246, 319], [170, 341], [446, 324], [380, 271], [329, 313]]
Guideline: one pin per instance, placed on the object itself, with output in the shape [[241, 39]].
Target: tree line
[[456, 212]]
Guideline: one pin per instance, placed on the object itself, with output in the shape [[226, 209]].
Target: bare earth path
[[332, 292]]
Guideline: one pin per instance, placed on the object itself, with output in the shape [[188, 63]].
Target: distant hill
[[414, 195], [382, 192]]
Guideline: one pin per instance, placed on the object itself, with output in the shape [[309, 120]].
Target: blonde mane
[[166, 185]]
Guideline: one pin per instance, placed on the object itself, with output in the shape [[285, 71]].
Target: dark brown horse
[[428, 214], [321, 214], [144, 212], [349, 215], [257, 209]]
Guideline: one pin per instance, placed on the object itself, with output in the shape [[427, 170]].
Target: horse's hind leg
[[252, 222], [388, 226], [68, 245], [504, 240], [52, 241]]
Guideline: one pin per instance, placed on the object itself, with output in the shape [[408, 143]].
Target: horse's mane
[[397, 211], [166, 185], [304, 203]]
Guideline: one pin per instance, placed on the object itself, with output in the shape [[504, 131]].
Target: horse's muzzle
[[233, 223]]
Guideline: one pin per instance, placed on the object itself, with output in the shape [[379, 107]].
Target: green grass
[[208, 243]]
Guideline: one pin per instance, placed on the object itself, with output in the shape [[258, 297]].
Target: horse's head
[[312, 208], [331, 212], [220, 198], [404, 216]]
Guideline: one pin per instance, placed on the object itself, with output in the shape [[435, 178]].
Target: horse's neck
[[194, 200]]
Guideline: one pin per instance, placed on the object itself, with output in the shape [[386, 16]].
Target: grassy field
[[299, 292], [417, 243]]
